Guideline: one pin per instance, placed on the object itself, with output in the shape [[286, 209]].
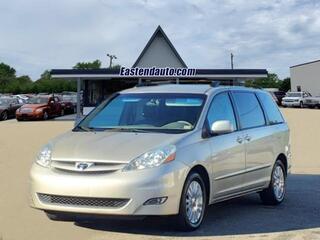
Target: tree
[[48, 84], [7, 74], [88, 65], [6, 70], [116, 66], [271, 81], [285, 85]]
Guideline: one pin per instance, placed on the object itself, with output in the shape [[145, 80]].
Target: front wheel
[[45, 116], [276, 191], [192, 204], [4, 116]]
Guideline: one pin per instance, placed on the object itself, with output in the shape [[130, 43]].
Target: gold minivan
[[165, 150]]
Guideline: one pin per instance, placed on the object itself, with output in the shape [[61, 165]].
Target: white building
[[306, 77]]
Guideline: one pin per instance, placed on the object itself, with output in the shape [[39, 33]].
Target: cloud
[[41, 34]]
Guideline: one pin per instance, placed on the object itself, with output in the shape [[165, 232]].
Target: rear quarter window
[[271, 109]]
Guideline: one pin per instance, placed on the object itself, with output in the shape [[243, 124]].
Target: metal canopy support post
[[78, 98], [177, 80]]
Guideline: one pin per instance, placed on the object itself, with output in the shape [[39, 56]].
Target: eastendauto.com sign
[[154, 72]]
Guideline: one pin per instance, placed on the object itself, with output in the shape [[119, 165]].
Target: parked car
[[279, 95], [295, 99], [165, 150], [275, 99], [40, 107], [69, 103], [312, 102], [8, 107], [21, 98]]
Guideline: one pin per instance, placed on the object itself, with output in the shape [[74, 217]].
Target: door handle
[[239, 140], [247, 138]]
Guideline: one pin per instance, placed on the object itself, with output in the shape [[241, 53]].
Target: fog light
[[156, 201]]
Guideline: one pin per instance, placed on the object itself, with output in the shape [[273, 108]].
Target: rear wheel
[[276, 191], [192, 204], [4, 115], [301, 105]]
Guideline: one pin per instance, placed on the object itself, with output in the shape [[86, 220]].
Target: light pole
[[111, 58], [231, 56]]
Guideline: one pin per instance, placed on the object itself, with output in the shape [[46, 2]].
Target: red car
[[40, 107]]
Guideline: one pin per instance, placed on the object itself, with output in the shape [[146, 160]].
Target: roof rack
[[215, 84], [149, 83]]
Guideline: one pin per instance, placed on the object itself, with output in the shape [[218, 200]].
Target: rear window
[[249, 109], [270, 108]]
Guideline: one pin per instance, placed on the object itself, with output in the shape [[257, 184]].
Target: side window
[[221, 109], [250, 112], [270, 108]]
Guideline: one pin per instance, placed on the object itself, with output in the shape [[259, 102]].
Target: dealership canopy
[[158, 61]]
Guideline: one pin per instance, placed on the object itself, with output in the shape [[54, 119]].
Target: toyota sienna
[[165, 150]]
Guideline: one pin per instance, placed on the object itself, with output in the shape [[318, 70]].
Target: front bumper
[[290, 104], [29, 116], [137, 186]]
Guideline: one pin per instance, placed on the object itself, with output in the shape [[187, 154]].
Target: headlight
[[39, 110], [44, 156], [152, 158]]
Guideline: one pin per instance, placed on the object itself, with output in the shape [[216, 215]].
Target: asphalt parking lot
[[243, 218]]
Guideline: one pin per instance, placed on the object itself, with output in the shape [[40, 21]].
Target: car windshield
[[38, 100], [161, 112], [69, 98], [4, 101], [294, 94]]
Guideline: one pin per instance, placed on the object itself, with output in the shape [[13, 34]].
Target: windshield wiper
[[126, 130]]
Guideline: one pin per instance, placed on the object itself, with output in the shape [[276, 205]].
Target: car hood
[[33, 105], [118, 147]]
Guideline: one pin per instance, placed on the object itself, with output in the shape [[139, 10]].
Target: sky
[[36, 35]]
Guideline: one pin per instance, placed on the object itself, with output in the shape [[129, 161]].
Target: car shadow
[[245, 215]]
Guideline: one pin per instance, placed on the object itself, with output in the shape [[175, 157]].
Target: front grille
[[98, 166], [26, 110], [82, 201]]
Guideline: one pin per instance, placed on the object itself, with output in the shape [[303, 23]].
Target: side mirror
[[221, 127]]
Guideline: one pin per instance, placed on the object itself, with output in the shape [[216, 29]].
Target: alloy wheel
[[278, 182], [194, 202], [45, 115], [4, 115]]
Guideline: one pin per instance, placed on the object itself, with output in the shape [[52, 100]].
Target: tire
[[45, 115], [301, 105], [275, 193], [4, 116], [191, 187]]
